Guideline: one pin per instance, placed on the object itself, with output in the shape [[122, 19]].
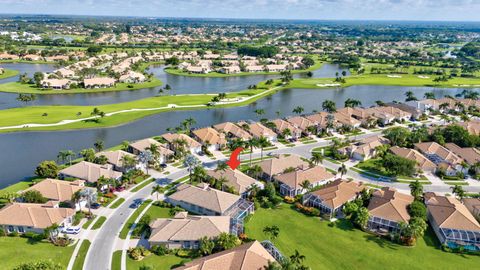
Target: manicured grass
[[117, 203], [142, 185], [86, 224], [453, 183], [22, 185], [16, 87], [152, 105], [17, 250], [7, 73], [158, 212], [82, 253], [98, 224], [343, 247], [131, 220], [165, 262], [116, 260]]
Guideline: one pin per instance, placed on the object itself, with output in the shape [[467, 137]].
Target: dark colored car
[[95, 205]]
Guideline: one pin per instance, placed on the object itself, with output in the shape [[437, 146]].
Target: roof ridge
[[30, 214]]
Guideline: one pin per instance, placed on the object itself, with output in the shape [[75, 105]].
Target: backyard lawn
[[343, 247], [16, 250], [156, 262]]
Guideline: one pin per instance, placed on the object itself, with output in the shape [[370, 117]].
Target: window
[[186, 245], [10, 229], [21, 230]]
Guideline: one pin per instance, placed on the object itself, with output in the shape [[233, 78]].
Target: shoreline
[[8, 73]]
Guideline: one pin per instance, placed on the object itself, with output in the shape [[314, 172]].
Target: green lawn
[[158, 212], [82, 254], [22, 185], [98, 224], [7, 73], [16, 250], [117, 203], [131, 220], [86, 224], [343, 247], [117, 260], [16, 87], [142, 185], [156, 262]]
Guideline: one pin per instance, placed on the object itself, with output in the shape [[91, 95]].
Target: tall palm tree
[[65, 155], [90, 195], [342, 170], [458, 191], [191, 162], [352, 103], [99, 144], [416, 189], [125, 145], [255, 171], [155, 150], [146, 157], [221, 166], [76, 198], [271, 231], [298, 110], [316, 158], [306, 185], [252, 143], [329, 106], [128, 162], [188, 123], [262, 143], [429, 95], [157, 189], [297, 258]]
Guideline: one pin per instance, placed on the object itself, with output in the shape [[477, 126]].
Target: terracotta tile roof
[[115, 157], [320, 119], [448, 212], [235, 178], [313, 175], [473, 205], [98, 81], [206, 197], [258, 130], [389, 204], [33, 215], [231, 128], [430, 148], [473, 126], [470, 154], [58, 190], [338, 192], [422, 162], [250, 256], [184, 227], [278, 164], [210, 135], [171, 137], [90, 171], [300, 122], [282, 125]]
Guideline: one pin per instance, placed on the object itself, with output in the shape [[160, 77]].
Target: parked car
[[136, 203], [71, 230], [95, 205], [120, 189]]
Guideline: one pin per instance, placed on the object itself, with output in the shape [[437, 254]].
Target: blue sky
[[444, 10]]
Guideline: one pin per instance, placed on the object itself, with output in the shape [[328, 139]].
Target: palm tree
[[429, 95], [259, 112], [90, 195], [65, 155], [145, 157], [155, 150], [128, 162], [188, 123], [416, 189], [252, 191], [342, 170], [410, 96], [227, 241], [329, 106], [352, 103], [255, 171], [272, 232], [191, 162], [125, 145], [221, 166], [220, 182], [252, 143], [262, 143], [298, 110], [458, 191], [297, 258], [99, 144], [76, 198], [306, 185], [157, 189], [316, 158]]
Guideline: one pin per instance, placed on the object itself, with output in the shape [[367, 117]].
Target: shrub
[[160, 250], [138, 253], [289, 199]]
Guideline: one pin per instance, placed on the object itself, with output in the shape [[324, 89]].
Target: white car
[[71, 230]]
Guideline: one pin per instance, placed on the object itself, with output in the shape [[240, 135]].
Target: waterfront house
[[210, 138], [56, 84], [115, 158], [173, 138], [282, 126], [472, 126], [258, 130], [32, 217], [451, 221], [233, 131], [235, 179], [301, 123], [60, 191], [388, 208], [442, 157], [89, 172], [291, 182], [140, 146], [331, 198], [473, 205], [99, 82], [365, 148], [185, 231]]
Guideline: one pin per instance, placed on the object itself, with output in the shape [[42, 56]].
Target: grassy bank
[[7, 73], [16, 87], [82, 254], [344, 247]]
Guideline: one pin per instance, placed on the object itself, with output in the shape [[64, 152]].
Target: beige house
[[185, 231], [89, 172], [473, 126], [281, 126], [211, 138], [365, 148], [470, 155], [441, 156], [239, 181], [99, 82], [387, 209], [56, 84], [115, 158], [278, 165], [60, 191], [142, 145], [331, 198], [423, 163], [191, 144], [258, 130], [451, 221], [301, 123], [250, 256], [31, 217], [291, 182], [473, 205], [232, 131]]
